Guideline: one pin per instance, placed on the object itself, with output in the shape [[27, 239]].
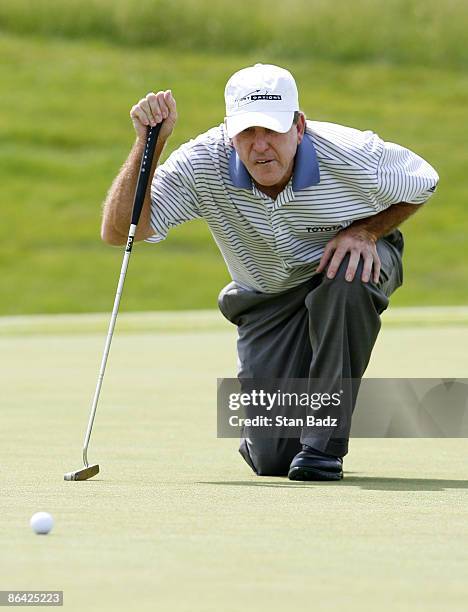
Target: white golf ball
[[41, 522]]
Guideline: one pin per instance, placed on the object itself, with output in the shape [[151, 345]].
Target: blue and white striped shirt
[[340, 175]]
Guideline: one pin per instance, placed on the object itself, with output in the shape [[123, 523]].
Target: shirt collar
[[306, 167]]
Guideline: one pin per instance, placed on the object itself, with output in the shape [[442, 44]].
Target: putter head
[[84, 474]]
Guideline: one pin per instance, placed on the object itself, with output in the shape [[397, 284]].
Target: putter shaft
[[140, 192]]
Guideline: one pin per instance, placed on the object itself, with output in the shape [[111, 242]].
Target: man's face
[[268, 155]]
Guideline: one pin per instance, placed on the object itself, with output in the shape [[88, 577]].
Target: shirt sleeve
[[403, 176], [174, 198]]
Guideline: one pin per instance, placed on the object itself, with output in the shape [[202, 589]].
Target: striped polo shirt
[[340, 175]]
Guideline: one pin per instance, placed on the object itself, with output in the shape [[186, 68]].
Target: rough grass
[[426, 32], [64, 132]]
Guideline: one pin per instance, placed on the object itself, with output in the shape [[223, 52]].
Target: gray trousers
[[324, 328]]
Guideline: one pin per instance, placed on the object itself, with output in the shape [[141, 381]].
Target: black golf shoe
[[310, 464]]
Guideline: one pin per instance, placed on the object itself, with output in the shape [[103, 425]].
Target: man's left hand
[[359, 243]]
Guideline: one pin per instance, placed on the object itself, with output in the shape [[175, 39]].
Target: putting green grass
[[176, 521]]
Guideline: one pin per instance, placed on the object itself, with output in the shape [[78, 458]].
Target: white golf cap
[[262, 95]]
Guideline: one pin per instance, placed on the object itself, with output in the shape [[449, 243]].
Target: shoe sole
[[301, 473]]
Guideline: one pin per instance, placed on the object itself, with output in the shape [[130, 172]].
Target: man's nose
[[260, 143]]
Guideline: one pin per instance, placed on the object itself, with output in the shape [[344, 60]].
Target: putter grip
[[145, 169]]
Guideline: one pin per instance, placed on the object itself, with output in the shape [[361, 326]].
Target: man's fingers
[[137, 113], [142, 111], [170, 101], [357, 247], [377, 267], [335, 263], [327, 253], [367, 267], [150, 109], [158, 106], [153, 109], [352, 265], [163, 103]]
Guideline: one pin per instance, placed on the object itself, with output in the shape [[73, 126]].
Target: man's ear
[[300, 125]]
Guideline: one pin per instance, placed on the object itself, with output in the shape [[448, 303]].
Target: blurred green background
[[71, 70]]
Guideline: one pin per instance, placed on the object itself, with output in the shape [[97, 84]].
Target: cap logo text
[[256, 95]]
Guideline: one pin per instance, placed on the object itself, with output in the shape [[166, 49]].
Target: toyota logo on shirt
[[323, 228]]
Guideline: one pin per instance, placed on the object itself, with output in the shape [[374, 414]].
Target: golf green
[[176, 521]]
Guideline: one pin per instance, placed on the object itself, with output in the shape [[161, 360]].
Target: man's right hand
[[151, 110]]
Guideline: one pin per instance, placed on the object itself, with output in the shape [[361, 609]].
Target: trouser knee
[[349, 294], [339, 282]]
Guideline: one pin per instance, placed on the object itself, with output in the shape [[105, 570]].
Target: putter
[[88, 471]]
